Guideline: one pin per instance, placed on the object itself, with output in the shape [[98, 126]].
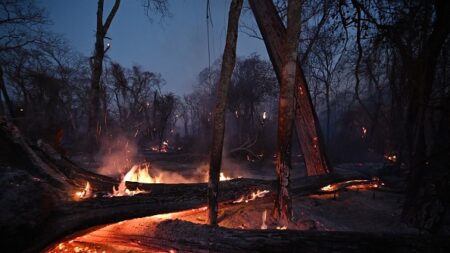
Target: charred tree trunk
[[228, 62], [306, 122], [189, 237], [286, 113], [95, 119]]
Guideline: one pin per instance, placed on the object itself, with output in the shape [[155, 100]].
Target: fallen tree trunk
[[189, 237], [71, 217]]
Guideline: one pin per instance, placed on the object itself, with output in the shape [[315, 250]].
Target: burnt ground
[[361, 210]]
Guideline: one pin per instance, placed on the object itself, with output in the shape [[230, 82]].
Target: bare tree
[[228, 62], [21, 23], [94, 120]]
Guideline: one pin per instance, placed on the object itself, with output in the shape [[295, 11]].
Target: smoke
[[118, 156]]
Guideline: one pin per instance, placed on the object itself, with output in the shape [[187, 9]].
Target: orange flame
[[224, 178], [252, 196], [137, 173], [355, 184], [85, 193]]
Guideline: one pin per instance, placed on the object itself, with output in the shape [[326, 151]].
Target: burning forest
[[316, 126]]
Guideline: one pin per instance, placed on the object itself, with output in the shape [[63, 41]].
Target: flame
[[122, 190], [224, 178], [328, 188], [85, 193], [252, 196], [264, 115], [264, 217], [356, 184], [138, 173]]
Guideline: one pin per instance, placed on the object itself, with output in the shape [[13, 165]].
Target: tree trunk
[[190, 237], [5, 95], [306, 122], [94, 119], [228, 62], [283, 203]]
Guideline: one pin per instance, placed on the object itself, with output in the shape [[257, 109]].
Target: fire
[[224, 178], [329, 188], [354, 184], [252, 196], [391, 157], [138, 173], [85, 193], [264, 115], [122, 190]]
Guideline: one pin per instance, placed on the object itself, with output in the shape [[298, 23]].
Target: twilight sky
[[176, 47]]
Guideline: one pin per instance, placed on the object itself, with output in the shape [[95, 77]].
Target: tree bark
[[95, 119], [283, 202], [5, 95], [306, 122], [228, 62]]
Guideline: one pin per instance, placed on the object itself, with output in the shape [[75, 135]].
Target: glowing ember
[[85, 193], [328, 188], [391, 157], [264, 115], [264, 217], [364, 132], [252, 196], [281, 227], [163, 148], [354, 184]]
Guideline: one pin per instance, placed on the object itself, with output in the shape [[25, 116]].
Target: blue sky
[[176, 46]]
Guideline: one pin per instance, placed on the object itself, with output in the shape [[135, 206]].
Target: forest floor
[[361, 210]]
